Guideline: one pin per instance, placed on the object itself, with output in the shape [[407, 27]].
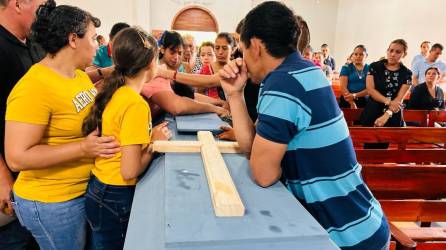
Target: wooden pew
[[411, 194], [436, 116], [402, 137], [407, 192], [419, 116]]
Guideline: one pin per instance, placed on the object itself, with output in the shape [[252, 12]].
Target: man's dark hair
[[437, 46], [4, 2], [239, 28], [274, 24], [116, 28], [324, 45], [54, 24]]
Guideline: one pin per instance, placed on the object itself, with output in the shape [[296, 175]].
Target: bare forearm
[[206, 99], [402, 93], [377, 96], [343, 82], [243, 126], [5, 173], [145, 160], [362, 93], [195, 80], [45, 156]]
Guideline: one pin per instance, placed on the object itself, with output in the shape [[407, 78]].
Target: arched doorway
[[195, 18]]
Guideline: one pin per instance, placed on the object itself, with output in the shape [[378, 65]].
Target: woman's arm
[[177, 105], [194, 80], [370, 87], [206, 99], [134, 159], [25, 151]]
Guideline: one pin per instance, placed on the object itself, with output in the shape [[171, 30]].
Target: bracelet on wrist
[[389, 112], [174, 75]]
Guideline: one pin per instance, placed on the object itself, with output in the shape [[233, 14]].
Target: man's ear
[[256, 47], [72, 38], [17, 6]]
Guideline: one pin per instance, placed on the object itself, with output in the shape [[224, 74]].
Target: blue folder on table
[[200, 122]]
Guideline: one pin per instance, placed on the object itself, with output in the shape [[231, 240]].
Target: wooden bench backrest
[[406, 182], [419, 116], [436, 116], [435, 137]]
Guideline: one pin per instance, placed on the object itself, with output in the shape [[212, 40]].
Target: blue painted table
[[172, 210]]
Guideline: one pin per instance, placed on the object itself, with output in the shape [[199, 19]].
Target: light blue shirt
[[416, 59], [419, 68]]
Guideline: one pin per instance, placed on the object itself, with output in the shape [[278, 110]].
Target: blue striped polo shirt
[[297, 107]]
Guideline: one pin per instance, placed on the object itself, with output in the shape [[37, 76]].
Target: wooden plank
[[437, 116], [401, 237], [420, 116], [401, 182], [225, 198], [426, 233], [193, 147], [410, 155], [414, 210], [439, 245], [397, 135]]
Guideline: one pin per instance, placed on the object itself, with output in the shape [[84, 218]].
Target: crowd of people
[[80, 117]]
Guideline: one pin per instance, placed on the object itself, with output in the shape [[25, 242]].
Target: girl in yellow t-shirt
[[44, 140], [120, 111]]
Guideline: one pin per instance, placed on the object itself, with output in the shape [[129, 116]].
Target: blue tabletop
[[172, 209]]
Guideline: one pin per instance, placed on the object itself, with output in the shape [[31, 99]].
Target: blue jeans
[[108, 212], [56, 225]]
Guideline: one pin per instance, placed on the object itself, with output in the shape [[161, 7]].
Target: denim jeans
[[14, 236], [108, 212], [56, 225]]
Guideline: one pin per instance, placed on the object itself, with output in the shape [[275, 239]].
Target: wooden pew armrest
[[401, 237]]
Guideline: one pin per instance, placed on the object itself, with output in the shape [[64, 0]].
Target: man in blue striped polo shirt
[[301, 134]]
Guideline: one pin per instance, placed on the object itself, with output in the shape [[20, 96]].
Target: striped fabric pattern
[[297, 107]]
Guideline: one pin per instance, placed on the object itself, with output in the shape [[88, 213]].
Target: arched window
[[195, 18]]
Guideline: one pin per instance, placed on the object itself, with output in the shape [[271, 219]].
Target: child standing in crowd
[[120, 111]]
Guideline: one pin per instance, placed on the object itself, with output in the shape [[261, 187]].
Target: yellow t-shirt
[[44, 97], [127, 118]]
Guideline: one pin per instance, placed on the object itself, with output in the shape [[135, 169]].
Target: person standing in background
[[17, 54], [328, 59]]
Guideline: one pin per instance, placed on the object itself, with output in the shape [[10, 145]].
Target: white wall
[[133, 12], [227, 12], [321, 17], [158, 14], [340, 23], [376, 23]]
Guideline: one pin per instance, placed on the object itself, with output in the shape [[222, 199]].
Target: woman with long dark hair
[[120, 111]]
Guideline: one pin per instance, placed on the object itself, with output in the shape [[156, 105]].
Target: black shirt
[[251, 94], [388, 83], [421, 99], [15, 60]]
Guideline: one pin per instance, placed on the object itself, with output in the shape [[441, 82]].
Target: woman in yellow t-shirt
[[121, 112], [43, 136]]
